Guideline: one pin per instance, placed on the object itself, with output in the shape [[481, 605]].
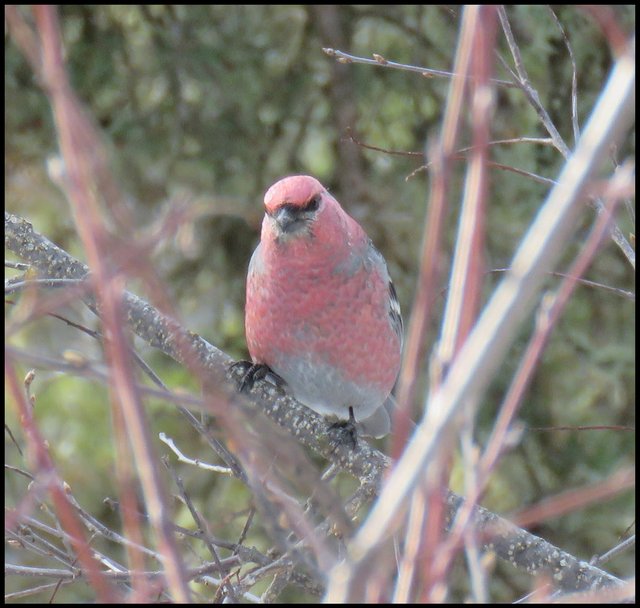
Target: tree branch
[[518, 547]]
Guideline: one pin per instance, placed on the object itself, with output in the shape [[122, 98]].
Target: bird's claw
[[256, 371], [346, 431]]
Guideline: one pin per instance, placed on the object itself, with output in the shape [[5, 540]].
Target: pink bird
[[321, 310]]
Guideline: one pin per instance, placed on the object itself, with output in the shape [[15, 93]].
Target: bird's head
[[293, 204]]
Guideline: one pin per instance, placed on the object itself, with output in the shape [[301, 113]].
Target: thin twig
[[380, 61]]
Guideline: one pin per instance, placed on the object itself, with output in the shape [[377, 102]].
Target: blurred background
[[209, 105]]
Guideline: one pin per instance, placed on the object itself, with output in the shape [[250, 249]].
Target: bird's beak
[[288, 219]]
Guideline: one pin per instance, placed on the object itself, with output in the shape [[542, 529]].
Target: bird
[[321, 311]]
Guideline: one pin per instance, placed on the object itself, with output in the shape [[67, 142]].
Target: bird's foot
[[256, 371], [346, 431]]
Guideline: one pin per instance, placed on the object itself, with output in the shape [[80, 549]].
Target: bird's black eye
[[313, 204]]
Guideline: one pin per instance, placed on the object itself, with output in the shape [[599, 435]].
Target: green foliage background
[[212, 104]]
